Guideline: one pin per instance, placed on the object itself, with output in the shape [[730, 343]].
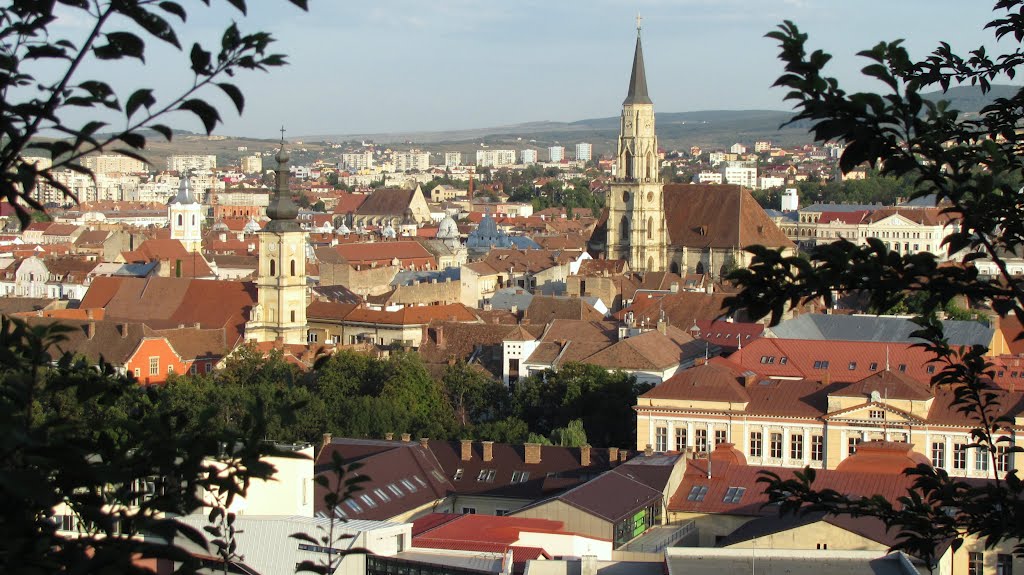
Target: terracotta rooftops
[[718, 216]]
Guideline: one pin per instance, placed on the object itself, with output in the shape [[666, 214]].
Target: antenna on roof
[[886, 358]]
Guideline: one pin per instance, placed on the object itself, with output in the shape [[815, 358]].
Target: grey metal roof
[[876, 328], [839, 207], [506, 298], [413, 277], [774, 562]]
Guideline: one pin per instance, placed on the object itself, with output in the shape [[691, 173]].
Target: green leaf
[[206, 113], [200, 60], [173, 8], [163, 130], [235, 94], [141, 97], [119, 45]]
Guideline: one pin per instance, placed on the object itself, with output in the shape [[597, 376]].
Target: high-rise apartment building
[[452, 159], [192, 162], [252, 164], [111, 163], [556, 154], [495, 158], [528, 156], [740, 173], [412, 160], [584, 153], [357, 161]]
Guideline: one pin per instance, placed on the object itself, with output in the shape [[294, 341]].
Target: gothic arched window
[[650, 228], [628, 166], [624, 228], [273, 268], [293, 267], [180, 220]]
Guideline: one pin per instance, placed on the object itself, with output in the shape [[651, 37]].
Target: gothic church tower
[[280, 313], [636, 208]]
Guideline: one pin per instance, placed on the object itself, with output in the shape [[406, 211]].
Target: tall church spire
[[281, 210], [638, 79]]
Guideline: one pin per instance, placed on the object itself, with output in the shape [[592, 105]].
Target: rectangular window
[[170, 369], [701, 443], [939, 454], [353, 505], [817, 448], [501, 512], [852, 444], [1004, 459], [520, 476], [1004, 564], [981, 459], [469, 510], [458, 474], [697, 493], [975, 563], [755, 444], [775, 445], [154, 365], [796, 446], [852, 366], [959, 456], [876, 414], [486, 475], [661, 439], [681, 439], [734, 494], [720, 436]]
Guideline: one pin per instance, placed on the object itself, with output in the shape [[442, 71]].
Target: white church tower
[[280, 313], [186, 217]]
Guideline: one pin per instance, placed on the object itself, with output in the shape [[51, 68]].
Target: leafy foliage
[[972, 166], [34, 105], [84, 441]]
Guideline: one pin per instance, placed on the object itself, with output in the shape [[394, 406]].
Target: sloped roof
[[192, 264], [544, 309], [718, 216], [839, 327], [612, 496], [717, 380], [386, 202], [374, 251]]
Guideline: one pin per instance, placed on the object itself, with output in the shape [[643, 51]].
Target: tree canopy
[[971, 166]]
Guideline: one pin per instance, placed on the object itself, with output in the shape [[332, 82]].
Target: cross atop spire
[[639, 19], [282, 134], [638, 78]]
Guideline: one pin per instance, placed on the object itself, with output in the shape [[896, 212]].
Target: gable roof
[[718, 216], [544, 309], [386, 202], [841, 327]]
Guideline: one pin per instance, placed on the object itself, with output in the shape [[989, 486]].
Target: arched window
[[628, 166], [273, 268], [180, 220], [293, 315], [700, 268], [650, 228], [675, 268], [293, 267], [624, 228]]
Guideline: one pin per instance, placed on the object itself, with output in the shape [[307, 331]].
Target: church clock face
[[272, 248], [629, 124], [650, 196]]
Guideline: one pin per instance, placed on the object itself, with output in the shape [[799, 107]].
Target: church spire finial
[[638, 78]]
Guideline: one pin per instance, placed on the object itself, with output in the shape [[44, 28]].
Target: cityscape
[[534, 346]]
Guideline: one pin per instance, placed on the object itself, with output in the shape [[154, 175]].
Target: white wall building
[[762, 146], [584, 152], [790, 200], [357, 161], [738, 148], [556, 154], [191, 162], [740, 174], [109, 163], [527, 157], [766, 182], [709, 177], [252, 164], [452, 159], [495, 158], [412, 160]]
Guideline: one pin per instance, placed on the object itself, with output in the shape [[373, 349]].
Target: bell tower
[[280, 313], [636, 207], [186, 216]]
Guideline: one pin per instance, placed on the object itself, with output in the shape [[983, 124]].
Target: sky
[[377, 66]]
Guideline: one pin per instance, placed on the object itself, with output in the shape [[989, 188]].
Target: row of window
[[383, 495], [976, 563], [982, 457], [154, 367]]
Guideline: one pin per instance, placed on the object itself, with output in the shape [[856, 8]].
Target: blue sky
[[362, 66]]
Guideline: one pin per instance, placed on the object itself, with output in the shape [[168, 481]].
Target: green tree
[[971, 164], [82, 440], [33, 52]]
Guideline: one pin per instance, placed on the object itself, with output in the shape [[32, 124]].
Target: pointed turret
[[282, 211], [184, 195], [638, 79]]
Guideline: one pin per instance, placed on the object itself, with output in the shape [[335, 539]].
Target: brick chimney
[[326, 440], [467, 449], [406, 438], [488, 450], [585, 455], [623, 455], [425, 441], [648, 451], [613, 455], [389, 436], [531, 453]]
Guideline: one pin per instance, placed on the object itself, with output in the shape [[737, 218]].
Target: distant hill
[[676, 130]]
